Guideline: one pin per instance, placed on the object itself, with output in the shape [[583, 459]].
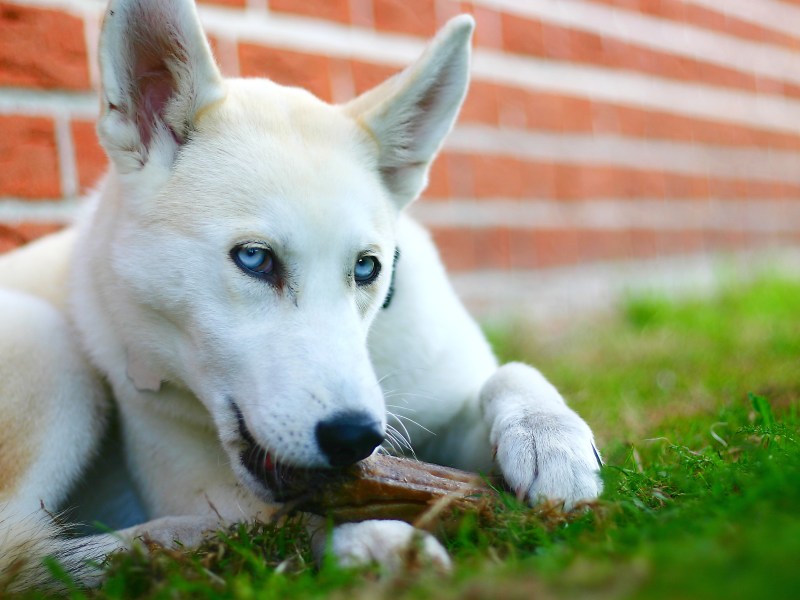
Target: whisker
[[398, 449], [401, 418], [390, 441], [398, 437], [387, 375], [405, 434], [404, 440], [401, 407], [416, 395], [395, 394]]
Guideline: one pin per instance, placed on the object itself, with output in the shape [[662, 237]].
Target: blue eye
[[255, 259], [366, 270]]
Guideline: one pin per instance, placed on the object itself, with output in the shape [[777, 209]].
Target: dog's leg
[[394, 545], [544, 449], [52, 403], [437, 370], [51, 417]]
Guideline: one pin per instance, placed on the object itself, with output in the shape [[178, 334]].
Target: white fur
[[386, 543], [185, 338], [546, 450]]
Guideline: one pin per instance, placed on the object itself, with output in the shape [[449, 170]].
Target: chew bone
[[385, 487]]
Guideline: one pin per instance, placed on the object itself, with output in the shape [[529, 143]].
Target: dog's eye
[[366, 270], [255, 259]]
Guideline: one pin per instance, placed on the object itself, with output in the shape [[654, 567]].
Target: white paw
[[545, 451], [390, 544]]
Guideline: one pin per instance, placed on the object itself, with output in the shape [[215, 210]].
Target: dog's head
[[254, 235]]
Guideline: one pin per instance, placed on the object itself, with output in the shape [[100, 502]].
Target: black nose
[[348, 437]]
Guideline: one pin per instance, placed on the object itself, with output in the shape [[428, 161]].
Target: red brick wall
[[594, 129]]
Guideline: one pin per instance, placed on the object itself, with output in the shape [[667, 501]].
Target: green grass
[[695, 405]]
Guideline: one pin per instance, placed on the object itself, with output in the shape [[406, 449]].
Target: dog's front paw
[[545, 451], [394, 545]]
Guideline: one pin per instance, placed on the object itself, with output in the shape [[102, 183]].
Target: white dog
[[249, 288]]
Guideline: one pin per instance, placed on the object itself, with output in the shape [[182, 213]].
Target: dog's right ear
[[409, 115], [157, 75]]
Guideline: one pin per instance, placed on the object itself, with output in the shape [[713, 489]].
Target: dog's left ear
[[157, 75], [410, 114]]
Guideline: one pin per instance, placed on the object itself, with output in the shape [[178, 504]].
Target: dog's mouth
[[286, 482]]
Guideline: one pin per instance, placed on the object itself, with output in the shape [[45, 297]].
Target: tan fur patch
[[31, 375], [15, 453], [24, 416]]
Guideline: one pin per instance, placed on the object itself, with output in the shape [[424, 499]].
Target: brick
[[755, 33], [458, 250], [28, 158], [522, 36], [13, 236], [497, 176], [554, 112], [690, 241], [342, 88], [309, 71], [604, 244], [651, 184], [631, 121], [568, 181], [229, 3], [765, 85], [361, 13], [576, 114], [690, 187], [329, 10], [214, 43], [522, 249], [539, 180], [645, 243], [464, 249], [706, 18], [543, 111], [447, 9], [417, 17], [438, 181], [529, 36], [493, 249], [586, 47], [367, 75], [629, 4], [459, 172], [90, 157], [480, 105], [517, 108], [42, 48], [225, 52], [557, 42], [556, 247], [512, 107], [488, 25], [488, 177]]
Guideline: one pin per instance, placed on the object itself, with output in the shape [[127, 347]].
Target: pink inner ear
[[155, 43], [156, 86]]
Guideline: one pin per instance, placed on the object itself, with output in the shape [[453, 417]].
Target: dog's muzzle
[[344, 439]]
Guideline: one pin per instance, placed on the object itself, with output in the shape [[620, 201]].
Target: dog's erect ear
[[410, 114], [157, 73]]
